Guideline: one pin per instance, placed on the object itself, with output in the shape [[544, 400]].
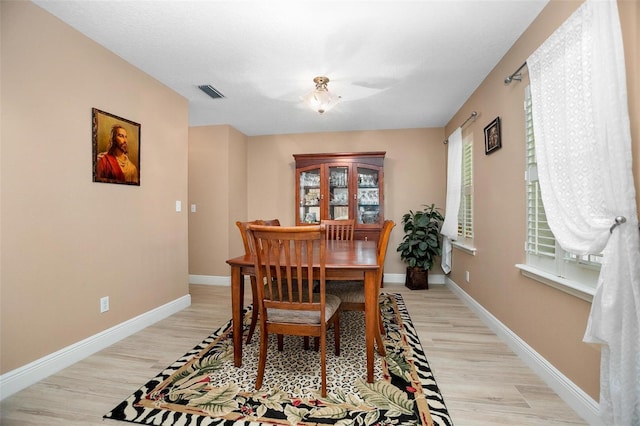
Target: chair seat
[[347, 291], [332, 304]]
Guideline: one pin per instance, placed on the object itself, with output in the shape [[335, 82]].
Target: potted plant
[[420, 245]]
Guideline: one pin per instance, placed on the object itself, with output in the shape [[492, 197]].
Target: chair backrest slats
[[282, 264], [242, 226], [339, 229]]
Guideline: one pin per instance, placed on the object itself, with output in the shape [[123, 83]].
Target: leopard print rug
[[204, 388]]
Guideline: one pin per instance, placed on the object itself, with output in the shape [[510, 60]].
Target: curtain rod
[[473, 116], [516, 75]]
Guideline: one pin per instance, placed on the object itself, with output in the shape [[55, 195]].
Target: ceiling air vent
[[211, 91]]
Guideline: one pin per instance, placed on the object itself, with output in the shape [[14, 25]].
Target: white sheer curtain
[[583, 149], [449, 228]]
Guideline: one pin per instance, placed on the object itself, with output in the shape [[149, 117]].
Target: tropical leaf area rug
[[204, 388]]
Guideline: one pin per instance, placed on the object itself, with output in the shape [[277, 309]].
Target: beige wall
[[414, 170], [550, 321], [67, 241], [218, 188], [414, 175]]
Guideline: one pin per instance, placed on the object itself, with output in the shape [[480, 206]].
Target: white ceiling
[[396, 64]]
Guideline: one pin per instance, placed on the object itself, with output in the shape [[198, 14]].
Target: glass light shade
[[321, 100]]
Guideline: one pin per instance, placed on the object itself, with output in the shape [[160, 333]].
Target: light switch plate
[[178, 206], [104, 304]]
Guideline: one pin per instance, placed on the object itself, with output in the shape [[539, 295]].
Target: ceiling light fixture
[[321, 99]]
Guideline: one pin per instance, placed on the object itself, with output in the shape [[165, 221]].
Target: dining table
[[345, 260]]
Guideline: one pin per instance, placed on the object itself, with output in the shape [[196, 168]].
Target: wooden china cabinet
[[341, 186]]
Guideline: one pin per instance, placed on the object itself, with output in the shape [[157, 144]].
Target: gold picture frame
[[116, 149]]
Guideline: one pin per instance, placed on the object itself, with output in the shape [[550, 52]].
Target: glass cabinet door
[[339, 192], [310, 196], [368, 197], [339, 186]]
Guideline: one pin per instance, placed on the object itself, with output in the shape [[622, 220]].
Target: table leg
[[237, 305], [371, 319]]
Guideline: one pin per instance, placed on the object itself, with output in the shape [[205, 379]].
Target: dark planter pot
[[417, 279]]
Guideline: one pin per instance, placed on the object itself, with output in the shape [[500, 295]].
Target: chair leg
[[379, 343], [323, 362], [336, 333], [264, 343], [254, 312], [280, 342]]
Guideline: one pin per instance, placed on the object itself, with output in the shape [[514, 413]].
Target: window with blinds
[[542, 249], [540, 239], [465, 215]]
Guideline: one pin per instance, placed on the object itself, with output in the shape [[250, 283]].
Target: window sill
[[573, 288], [465, 248]]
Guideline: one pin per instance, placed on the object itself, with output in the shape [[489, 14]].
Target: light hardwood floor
[[483, 382]]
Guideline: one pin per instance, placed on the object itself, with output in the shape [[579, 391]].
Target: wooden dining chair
[[339, 229], [242, 226], [351, 293], [287, 302]]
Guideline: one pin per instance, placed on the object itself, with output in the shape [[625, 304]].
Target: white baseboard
[[209, 280], [388, 278], [435, 279], [27, 375], [576, 398]]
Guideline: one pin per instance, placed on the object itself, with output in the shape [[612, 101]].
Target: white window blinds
[[465, 216], [540, 239]]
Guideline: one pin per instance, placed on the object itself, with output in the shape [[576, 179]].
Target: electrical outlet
[[466, 275], [104, 304]]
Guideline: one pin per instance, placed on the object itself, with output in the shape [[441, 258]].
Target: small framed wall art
[[116, 149], [492, 138]]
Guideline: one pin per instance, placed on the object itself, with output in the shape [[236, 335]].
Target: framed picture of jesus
[[116, 149]]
